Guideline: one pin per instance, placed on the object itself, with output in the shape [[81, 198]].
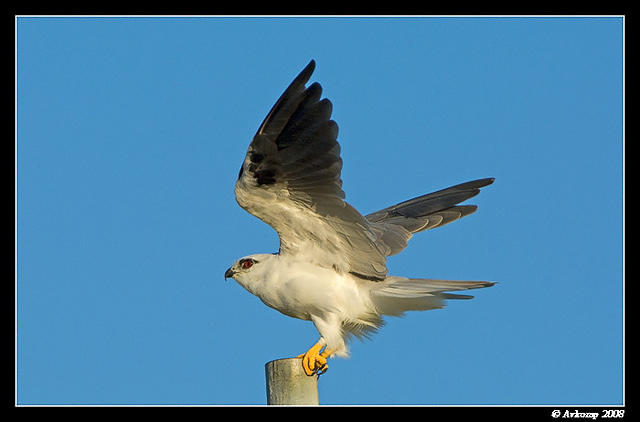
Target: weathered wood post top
[[287, 383]]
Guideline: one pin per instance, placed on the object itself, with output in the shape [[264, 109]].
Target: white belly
[[300, 290]]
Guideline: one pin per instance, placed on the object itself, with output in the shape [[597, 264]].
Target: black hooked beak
[[229, 273]]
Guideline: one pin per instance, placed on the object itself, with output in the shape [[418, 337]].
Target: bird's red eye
[[247, 264]]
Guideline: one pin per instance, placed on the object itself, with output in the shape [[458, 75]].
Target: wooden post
[[287, 384]]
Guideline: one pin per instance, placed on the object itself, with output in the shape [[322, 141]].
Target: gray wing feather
[[395, 225]]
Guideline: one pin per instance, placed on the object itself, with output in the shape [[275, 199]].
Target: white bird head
[[249, 269]]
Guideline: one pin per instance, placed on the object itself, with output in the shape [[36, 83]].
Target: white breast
[[300, 289]]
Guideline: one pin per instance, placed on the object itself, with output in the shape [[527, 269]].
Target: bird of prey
[[331, 265]]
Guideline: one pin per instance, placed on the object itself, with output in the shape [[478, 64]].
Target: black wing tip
[[311, 65], [478, 183], [473, 187], [305, 74], [487, 181]]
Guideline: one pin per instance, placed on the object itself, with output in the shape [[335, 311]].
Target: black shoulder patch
[[265, 177], [366, 277], [255, 157]]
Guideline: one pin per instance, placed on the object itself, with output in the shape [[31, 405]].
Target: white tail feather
[[396, 295]]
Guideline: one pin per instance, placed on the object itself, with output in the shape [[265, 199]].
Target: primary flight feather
[[331, 266]]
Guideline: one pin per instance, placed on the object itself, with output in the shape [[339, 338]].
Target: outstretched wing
[[290, 179], [395, 225]]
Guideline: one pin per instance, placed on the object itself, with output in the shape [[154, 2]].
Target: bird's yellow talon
[[323, 369], [314, 361]]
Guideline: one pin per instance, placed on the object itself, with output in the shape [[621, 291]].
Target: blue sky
[[130, 135]]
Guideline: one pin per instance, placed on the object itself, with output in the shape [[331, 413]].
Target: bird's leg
[[314, 361]]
